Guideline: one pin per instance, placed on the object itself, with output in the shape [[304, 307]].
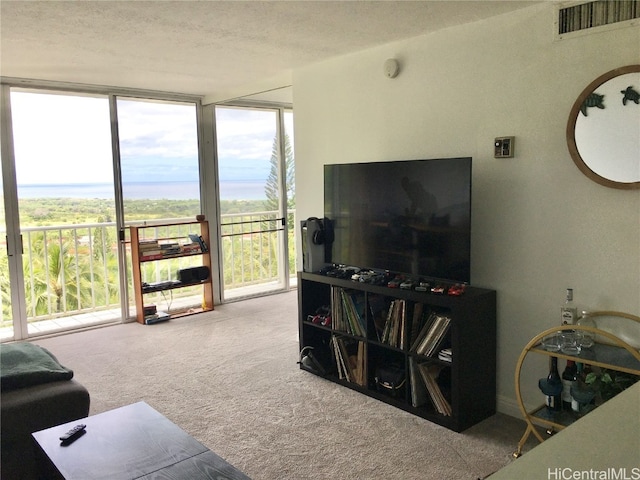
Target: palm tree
[[57, 280], [105, 265]]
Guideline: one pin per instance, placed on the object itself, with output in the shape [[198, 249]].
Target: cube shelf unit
[[142, 233], [467, 381]]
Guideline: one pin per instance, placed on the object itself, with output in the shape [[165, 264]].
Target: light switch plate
[[503, 147]]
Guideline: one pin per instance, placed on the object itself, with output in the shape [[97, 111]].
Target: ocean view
[[250, 190]]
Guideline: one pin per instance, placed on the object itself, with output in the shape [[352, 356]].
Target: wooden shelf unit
[[138, 233], [468, 382]]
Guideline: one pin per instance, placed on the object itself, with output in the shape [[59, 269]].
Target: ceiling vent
[[598, 14]]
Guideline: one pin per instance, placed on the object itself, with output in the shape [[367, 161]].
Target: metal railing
[[72, 269], [250, 248]]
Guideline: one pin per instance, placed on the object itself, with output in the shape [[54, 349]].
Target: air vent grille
[[596, 14]]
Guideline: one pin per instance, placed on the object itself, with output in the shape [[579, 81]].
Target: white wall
[[538, 224]]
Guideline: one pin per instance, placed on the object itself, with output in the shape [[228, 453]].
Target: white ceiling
[[217, 49]]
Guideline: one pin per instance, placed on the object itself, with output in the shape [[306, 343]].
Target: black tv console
[[376, 341]]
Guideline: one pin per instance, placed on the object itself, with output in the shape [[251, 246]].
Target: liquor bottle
[[568, 380], [568, 311], [552, 387]]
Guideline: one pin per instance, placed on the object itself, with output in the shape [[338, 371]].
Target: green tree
[[105, 260], [272, 191], [272, 186]]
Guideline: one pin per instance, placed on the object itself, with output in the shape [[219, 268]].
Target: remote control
[[73, 434]]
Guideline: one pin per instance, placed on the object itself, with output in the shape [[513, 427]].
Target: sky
[[63, 139]]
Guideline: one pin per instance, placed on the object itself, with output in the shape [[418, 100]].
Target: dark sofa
[[37, 393]]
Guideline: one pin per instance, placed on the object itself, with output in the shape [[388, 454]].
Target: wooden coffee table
[[132, 442]]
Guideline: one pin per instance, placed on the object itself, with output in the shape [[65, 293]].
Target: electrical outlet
[[503, 147]]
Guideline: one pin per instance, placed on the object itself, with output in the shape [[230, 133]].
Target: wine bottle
[[552, 387], [568, 311], [568, 380], [577, 382]]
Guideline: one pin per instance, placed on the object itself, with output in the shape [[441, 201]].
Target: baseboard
[[508, 406]]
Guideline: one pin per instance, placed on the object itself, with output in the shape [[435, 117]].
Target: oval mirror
[[603, 132]]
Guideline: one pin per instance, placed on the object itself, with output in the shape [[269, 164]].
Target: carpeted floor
[[230, 379]]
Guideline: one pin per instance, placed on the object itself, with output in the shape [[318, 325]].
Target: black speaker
[[194, 274]]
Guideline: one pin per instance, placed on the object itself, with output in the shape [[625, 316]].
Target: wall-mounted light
[[391, 68]]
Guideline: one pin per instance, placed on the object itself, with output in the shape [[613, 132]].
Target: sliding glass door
[[159, 167], [79, 167], [255, 172], [74, 200], [66, 210]]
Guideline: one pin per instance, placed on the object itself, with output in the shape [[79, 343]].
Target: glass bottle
[[588, 338], [577, 383], [568, 311], [552, 387], [581, 394], [568, 380]]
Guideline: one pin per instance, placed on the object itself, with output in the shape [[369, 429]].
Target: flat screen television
[[410, 217]]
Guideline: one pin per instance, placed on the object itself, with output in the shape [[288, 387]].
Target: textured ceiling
[[212, 48]]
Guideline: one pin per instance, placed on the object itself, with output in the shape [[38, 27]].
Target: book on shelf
[[190, 248], [416, 322], [424, 325], [337, 320], [147, 252], [431, 335], [394, 329], [348, 311], [401, 333], [378, 310], [151, 256], [172, 248], [200, 241], [350, 359], [148, 244], [353, 310], [147, 248], [419, 394], [430, 373], [343, 371]]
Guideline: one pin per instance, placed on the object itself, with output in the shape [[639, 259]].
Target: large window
[[73, 196], [160, 182], [82, 167], [159, 159]]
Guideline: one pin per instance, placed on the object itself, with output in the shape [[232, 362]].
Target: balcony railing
[[72, 269], [250, 247]]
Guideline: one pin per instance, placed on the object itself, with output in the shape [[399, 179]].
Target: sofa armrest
[[30, 409]]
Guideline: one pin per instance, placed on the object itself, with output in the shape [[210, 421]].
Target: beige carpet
[[230, 379]]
